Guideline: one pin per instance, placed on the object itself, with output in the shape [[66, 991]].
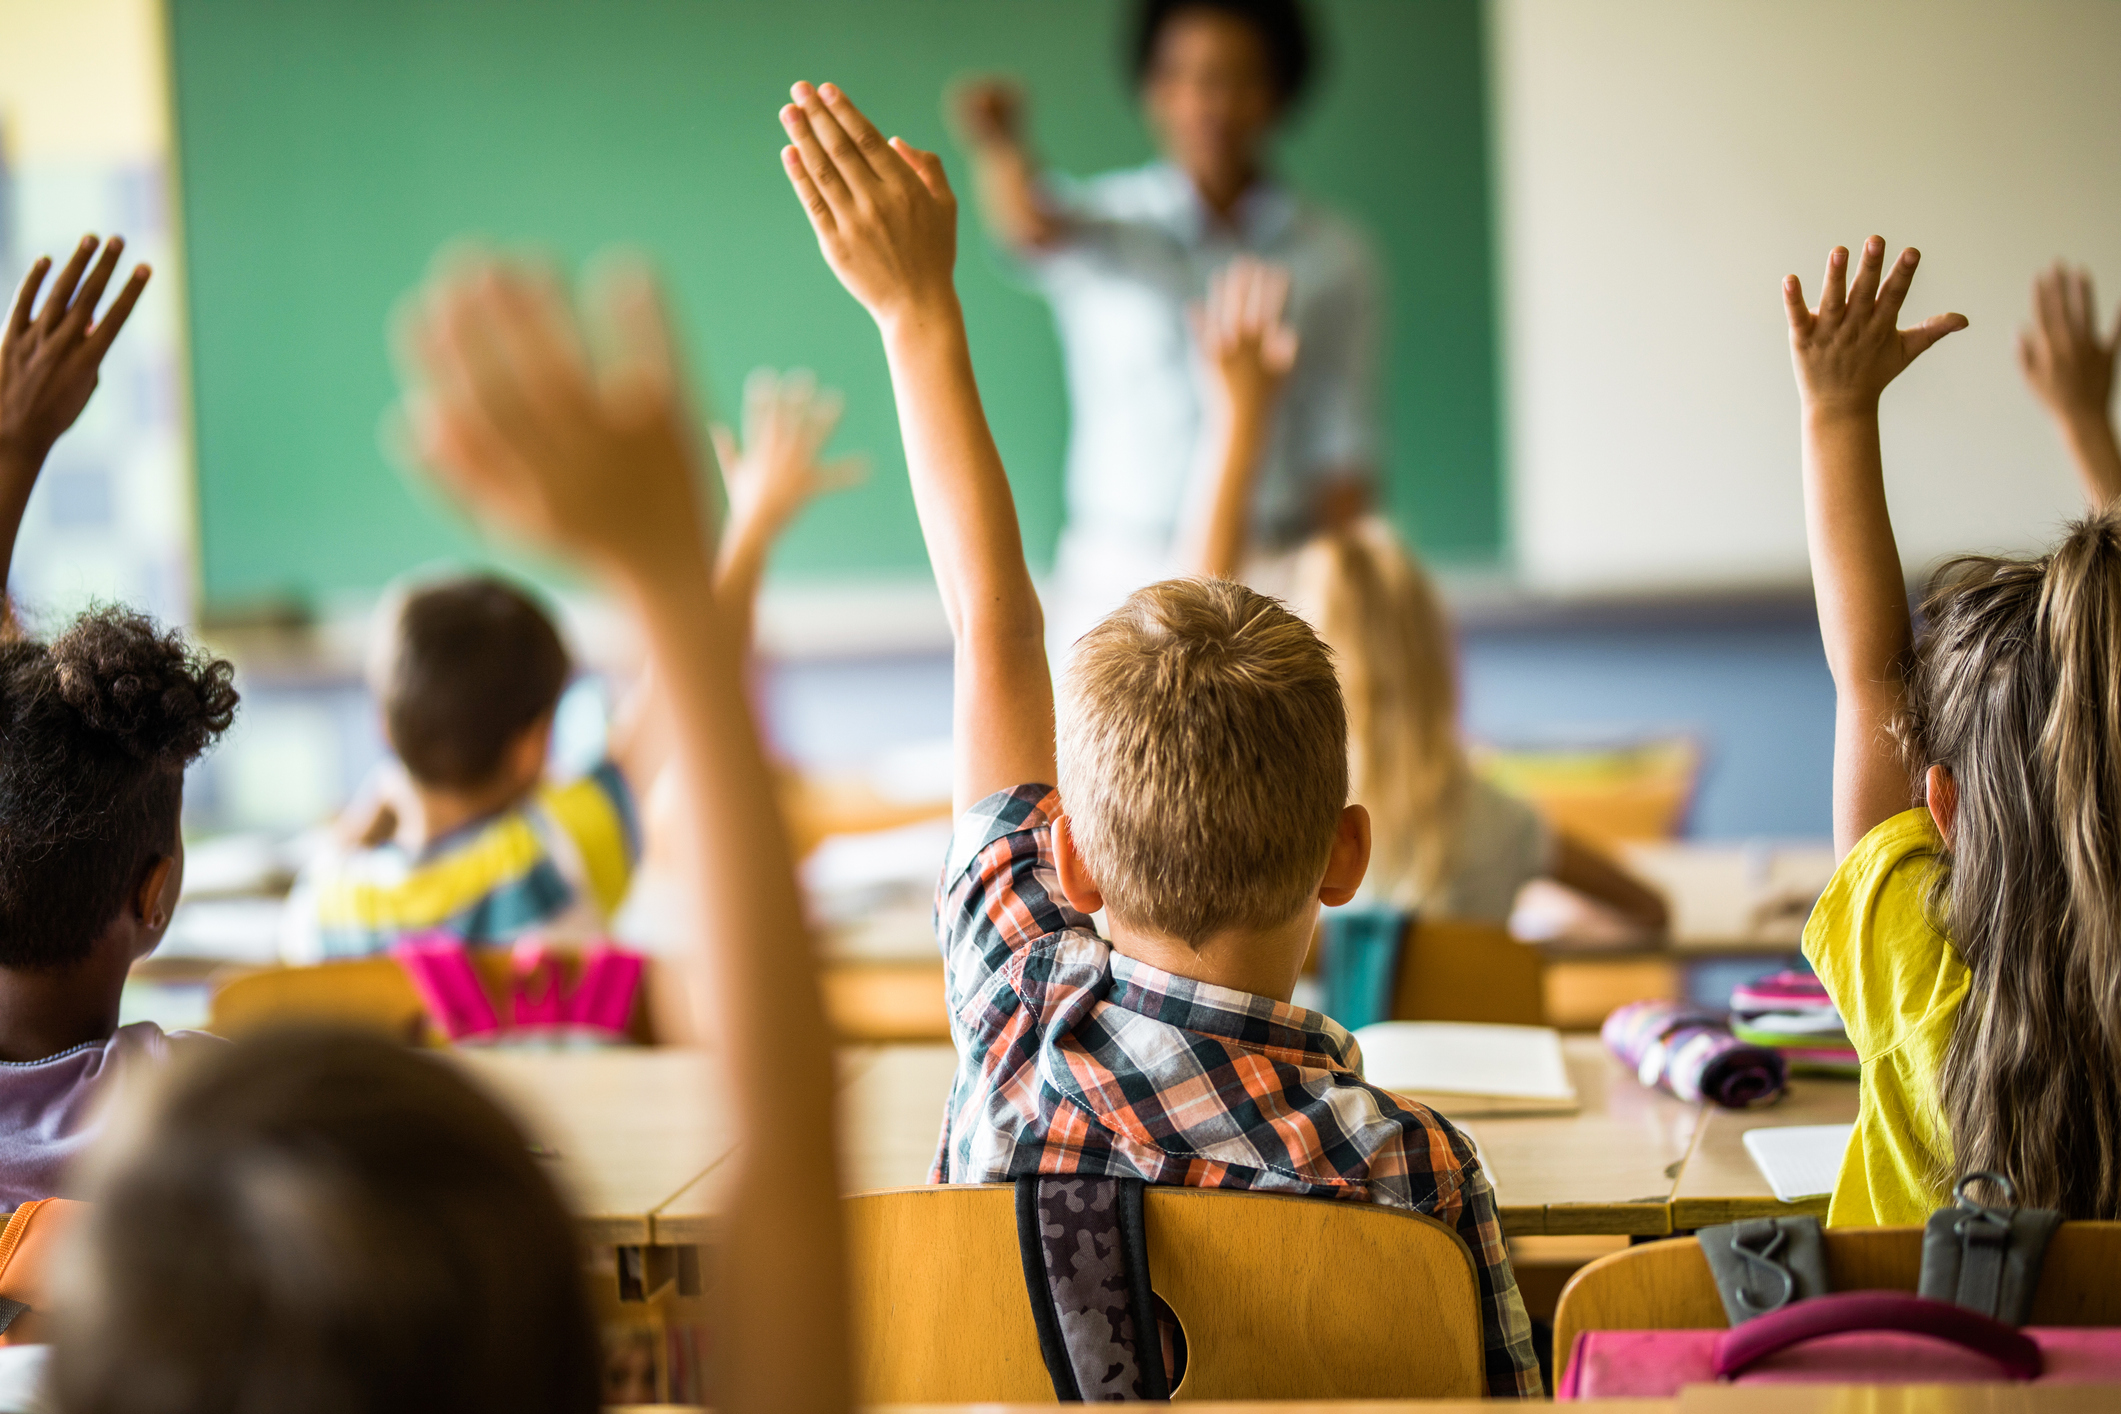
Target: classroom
[[935, 703]]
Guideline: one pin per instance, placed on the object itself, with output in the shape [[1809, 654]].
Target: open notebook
[[1459, 1068], [1799, 1161]]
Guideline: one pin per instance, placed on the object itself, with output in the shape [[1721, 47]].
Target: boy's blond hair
[[1203, 758]]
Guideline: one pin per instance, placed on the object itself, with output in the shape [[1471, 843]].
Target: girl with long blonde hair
[[1445, 842]]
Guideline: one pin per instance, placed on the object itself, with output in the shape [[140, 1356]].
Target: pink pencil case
[[601, 1001], [1855, 1338]]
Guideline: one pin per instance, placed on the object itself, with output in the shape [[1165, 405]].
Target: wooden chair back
[[1281, 1298], [372, 994], [885, 1001], [1667, 1286], [1451, 970]]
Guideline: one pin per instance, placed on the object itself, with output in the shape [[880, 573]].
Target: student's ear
[[1350, 859], [1077, 884], [149, 906], [1942, 794], [526, 754]]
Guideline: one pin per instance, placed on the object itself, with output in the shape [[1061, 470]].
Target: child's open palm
[[2069, 366], [882, 209], [1848, 349], [776, 472], [49, 357], [1243, 334], [536, 437]]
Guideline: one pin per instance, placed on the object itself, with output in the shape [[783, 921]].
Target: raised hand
[[883, 211], [49, 356], [1847, 350], [776, 472], [49, 359], [517, 420], [2068, 365], [987, 109], [1248, 344]]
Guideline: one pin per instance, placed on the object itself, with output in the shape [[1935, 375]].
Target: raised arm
[[887, 224], [988, 114], [1249, 349], [2070, 369], [1844, 353], [48, 363], [772, 476], [598, 462]]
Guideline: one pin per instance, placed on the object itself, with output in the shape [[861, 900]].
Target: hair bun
[[144, 688]]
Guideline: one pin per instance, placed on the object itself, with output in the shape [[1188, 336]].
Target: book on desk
[[1465, 1069]]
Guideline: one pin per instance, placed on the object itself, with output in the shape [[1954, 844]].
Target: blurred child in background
[[465, 833], [1447, 844]]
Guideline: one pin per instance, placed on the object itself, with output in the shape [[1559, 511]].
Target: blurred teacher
[[1124, 256]]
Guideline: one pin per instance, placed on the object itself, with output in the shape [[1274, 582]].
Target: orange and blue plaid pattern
[[1075, 1059]]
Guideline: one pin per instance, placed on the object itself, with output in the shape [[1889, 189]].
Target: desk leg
[[645, 1270]]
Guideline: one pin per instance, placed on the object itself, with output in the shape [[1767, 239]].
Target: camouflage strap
[[1086, 1270]]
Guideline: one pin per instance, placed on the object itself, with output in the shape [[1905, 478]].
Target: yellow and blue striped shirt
[[561, 861]]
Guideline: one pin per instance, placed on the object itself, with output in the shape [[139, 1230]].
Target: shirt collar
[[1228, 1014], [1263, 215]]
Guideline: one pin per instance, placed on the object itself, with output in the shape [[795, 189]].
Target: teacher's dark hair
[[1280, 24]]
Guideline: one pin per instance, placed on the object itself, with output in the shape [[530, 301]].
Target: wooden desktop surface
[[1609, 1168], [1722, 1184], [641, 1140]]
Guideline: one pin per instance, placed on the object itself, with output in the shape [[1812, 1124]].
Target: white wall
[[1663, 163]]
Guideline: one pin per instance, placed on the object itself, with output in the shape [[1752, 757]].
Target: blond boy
[[1203, 762]]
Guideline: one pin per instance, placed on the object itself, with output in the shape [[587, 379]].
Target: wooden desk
[[1610, 1168], [628, 1127], [1695, 1399], [1722, 1184]]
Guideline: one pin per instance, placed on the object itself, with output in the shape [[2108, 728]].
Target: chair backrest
[[1281, 1298], [885, 1001], [371, 993], [1459, 971], [1667, 1286]]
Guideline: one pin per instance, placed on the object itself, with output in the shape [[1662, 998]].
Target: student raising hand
[[49, 358], [2070, 368], [1845, 353], [887, 224], [883, 210], [594, 458], [1250, 350], [788, 420]]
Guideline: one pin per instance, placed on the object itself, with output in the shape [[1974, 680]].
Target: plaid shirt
[[1075, 1059]]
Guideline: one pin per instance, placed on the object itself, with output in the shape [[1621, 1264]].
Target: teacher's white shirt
[[1140, 250]]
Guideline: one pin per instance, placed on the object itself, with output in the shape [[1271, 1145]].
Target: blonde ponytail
[[1391, 643]]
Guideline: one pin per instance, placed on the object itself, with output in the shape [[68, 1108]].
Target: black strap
[[9, 1309], [1085, 1254]]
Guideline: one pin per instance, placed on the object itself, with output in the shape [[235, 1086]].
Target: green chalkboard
[[327, 148]]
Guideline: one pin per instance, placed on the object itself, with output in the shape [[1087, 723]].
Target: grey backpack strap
[[1986, 1259], [1086, 1270], [9, 1310], [1764, 1264]]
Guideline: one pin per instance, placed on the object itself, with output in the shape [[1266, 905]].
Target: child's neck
[[443, 811], [1264, 962], [43, 1013]]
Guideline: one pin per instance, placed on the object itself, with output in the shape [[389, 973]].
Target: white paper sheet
[[1799, 1160], [1469, 1068]]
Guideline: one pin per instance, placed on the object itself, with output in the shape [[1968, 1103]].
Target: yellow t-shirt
[[1899, 984]]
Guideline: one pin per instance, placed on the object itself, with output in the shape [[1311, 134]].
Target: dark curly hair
[[1280, 24], [473, 662], [96, 728]]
